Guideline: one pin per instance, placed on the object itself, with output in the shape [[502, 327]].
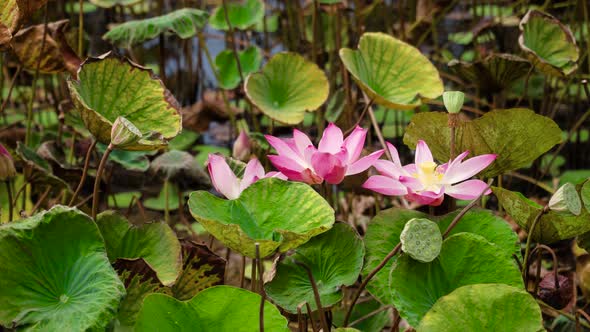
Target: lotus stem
[[243, 272], [99, 171], [316, 295], [525, 262], [35, 78], [466, 209], [309, 313], [10, 88], [262, 294], [10, 207], [41, 200], [84, 172], [253, 276]]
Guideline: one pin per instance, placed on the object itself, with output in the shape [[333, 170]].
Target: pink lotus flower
[[426, 182], [228, 184], [335, 157]]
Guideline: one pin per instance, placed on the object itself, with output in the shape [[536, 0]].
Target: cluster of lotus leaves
[[391, 72], [279, 215], [108, 87]]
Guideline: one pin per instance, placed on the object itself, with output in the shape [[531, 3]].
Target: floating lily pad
[[421, 239], [241, 14], [518, 136], [552, 226], [155, 243], [548, 43], [278, 214], [465, 259], [492, 74], [109, 87], [55, 275], [335, 258], [287, 87], [392, 73], [185, 23], [227, 66], [384, 231], [219, 308], [484, 307], [57, 54]]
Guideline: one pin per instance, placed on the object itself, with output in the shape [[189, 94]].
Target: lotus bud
[[241, 150], [7, 170], [566, 200], [453, 101], [124, 133], [421, 239]]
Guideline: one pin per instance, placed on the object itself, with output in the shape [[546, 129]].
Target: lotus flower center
[[428, 175]]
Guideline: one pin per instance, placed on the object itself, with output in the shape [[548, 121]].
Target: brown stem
[[10, 88], [84, 172], [309, 313], [525, 261], [370, 314], [41, 200], [253, 284], [99, 172], [316, 295], [465, 210]]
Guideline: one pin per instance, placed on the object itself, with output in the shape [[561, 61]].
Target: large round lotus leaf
[[216, 309], [335, 258], [552, 227], [287, 87], [155, 243], [392, 73], [384, 232], [492, 74], [548, 43], [278, 214], [484, 307], [241, 14], [108, 87], [518, 136], [185, 23], [55, 274], [465, 259], [229, 74]]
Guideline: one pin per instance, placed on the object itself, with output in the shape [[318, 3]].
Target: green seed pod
[[453, 101], [124, 133], [7, 170], [421, 239], [566, 200]]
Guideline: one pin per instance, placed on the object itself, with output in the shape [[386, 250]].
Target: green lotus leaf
[[392, 73], [185, 23], [272, 24], [465, 259], [585, 194], [552, 227], [113, 3], [55, 274], [287, 87], [183, 141], [219, 309], [518, 136], [227, 66], [155, 243], [176, 163], [335, 258], [275, 213], [137, 287], [158, 203], [241, 14], [129, 160], [39, 171], [375, 322], [484, 307], [109, 87], [548, 43], [492, 74], [383, 234]]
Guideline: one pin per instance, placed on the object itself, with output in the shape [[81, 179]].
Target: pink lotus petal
[[277, 175], [301, 141], [332, 140], [465, 170], [285, 164], [329, 166], [386, 167], [426, 198], [253, 172], [294, 171], [423, 154], [364, 163], [354, 143], [411, 169], [394, 153], [284, 150], [222, 177], [470, 189], [385, 185], [411, 182]]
